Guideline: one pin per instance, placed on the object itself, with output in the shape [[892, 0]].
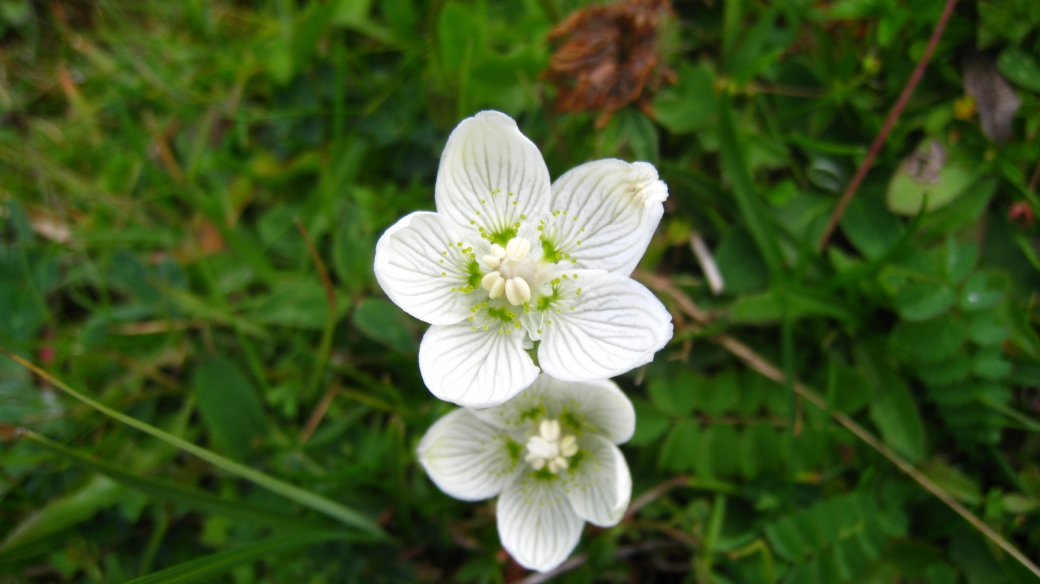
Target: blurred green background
[[180, 180]]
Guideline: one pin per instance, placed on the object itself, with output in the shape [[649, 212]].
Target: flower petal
[[475, 368], [422, 265], [490, 176], [467, 458], [537, 525], [614, 325], [599, 484], [605, 212], [585, 407]]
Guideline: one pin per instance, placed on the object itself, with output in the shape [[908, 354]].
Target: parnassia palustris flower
[[511, 267], [549, 453]]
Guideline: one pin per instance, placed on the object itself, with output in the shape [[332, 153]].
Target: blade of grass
[[221, 562], [167, 491], [304, 497], [750, 204]]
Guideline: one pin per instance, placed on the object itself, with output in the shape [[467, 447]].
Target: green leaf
[[983, 290], [960, 259], [924, 300], [676, 395], [928, 174], [690, 105], [206, 568], [751, 208], [990, 364], [229, 406], [988, 328], [650, 424], [722, 394], [930, 340], [740, 263], [298, 305], [869, 226], [381, 321], [895, 413], [98, 493], [963, 488], [1020, 68], [679, 451], [724, 445], [304, 497]]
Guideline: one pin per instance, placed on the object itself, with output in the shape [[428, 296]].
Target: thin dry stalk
[[890, 121]]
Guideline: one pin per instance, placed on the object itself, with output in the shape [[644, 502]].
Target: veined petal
[[491, 177], [423, 266], [613, 325], [598, 482], [604, 214], [594, 407], [475, 368], [469, 459], [537, 525]]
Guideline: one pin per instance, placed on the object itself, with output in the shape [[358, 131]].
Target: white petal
[[469, 459], [475, 368], [585, 407], [598, 482], [614, 325], [537, 525], [418, 263], [613, 208], [490, 175]]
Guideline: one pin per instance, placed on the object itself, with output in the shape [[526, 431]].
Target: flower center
[[551, 448], [515, 271]]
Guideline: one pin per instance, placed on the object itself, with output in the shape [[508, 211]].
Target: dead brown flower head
[[607, 57]]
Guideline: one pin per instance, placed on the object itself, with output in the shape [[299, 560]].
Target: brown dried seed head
[[607, 57]]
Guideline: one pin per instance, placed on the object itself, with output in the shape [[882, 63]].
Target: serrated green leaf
[[983, 290], [930, 340], [676, 395], [1020, 68], [680, 449], [924, 300]]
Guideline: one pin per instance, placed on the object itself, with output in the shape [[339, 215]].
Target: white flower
[[550, 452], [509, 264]]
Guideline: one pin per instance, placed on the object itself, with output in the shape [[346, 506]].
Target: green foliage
[[224, 421]]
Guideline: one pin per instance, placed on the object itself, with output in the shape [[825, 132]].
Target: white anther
[[569, 446], [517, 249], [495, 258], [497, 288], [550, 448], [489, 280], [517, 291], [557, 464], [550, 430]]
